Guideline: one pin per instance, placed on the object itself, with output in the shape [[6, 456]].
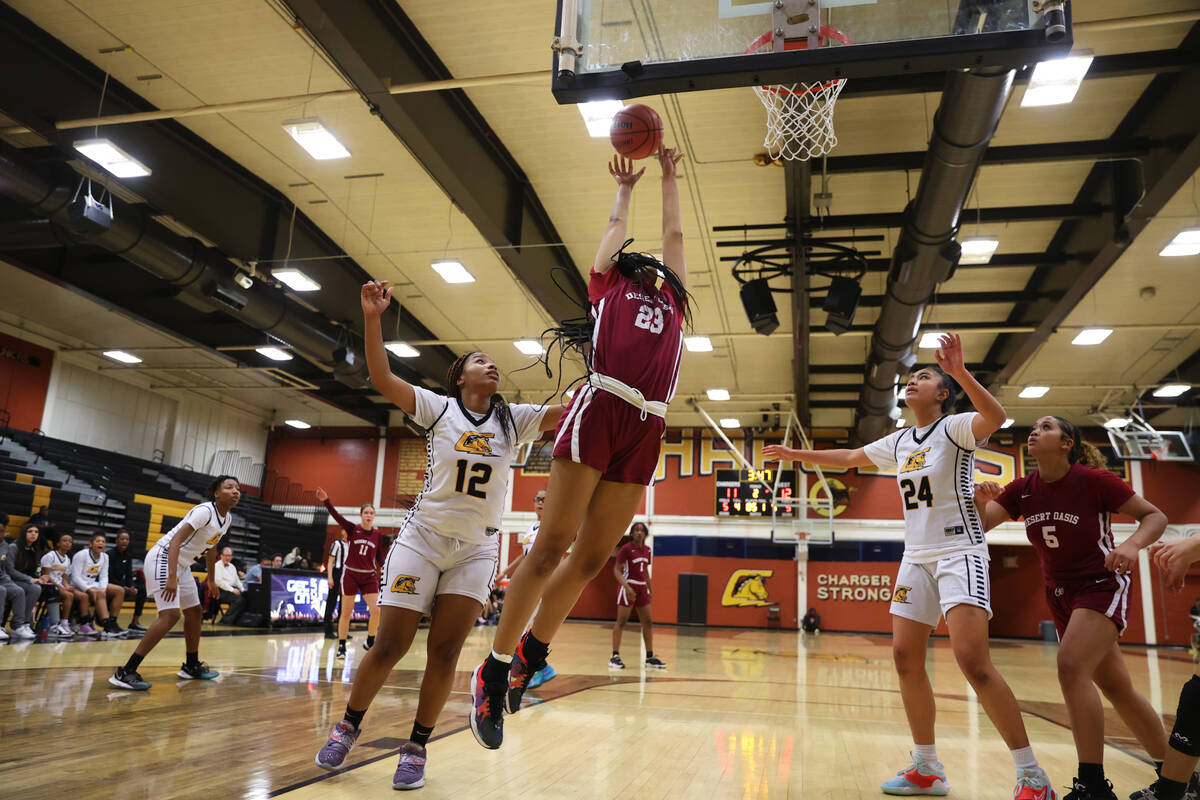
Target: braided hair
[[498, 403], [1081, 451]]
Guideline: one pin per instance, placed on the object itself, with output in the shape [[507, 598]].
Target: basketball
[[636, 131]]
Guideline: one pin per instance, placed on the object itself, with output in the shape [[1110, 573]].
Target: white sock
[[1023, 758], [927, 752], [506, 659]]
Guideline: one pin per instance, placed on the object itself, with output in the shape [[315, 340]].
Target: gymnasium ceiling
[[392, 223]]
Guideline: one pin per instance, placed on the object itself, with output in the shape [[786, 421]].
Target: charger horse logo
[[747, 587], [475, 443], [915, 461], [405, 584]]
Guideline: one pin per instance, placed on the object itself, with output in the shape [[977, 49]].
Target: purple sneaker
[[410, 772], [341, 742]]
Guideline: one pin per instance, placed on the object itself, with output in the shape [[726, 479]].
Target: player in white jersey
[[945, 566], [169, 581], [527, 539], [447, 548]]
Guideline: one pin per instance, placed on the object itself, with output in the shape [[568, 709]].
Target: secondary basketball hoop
[[800, 115]]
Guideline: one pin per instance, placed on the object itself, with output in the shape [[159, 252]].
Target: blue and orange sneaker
[[1034, 784], [921, 777], [487, 712], [520, 674]]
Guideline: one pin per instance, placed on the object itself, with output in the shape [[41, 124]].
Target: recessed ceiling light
[[598, 115], [112, 158], [1008, 423], [529, 347], [297, 423], [1118, 422], [1034, 391], [296, 280], [1056, 82], [1185, 243], [274, 353], [403, 350], [730, 422], [453, 272], [1091, 336], [718, 394], [316, 139], [122, 356], [698, 344], [1169, 390], [929, 340], [977, 250]]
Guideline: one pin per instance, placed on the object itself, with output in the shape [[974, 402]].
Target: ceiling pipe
[[926, 252]]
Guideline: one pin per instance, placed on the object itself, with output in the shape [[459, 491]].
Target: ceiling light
[[1118, 422], [978, 251], [929, 340], [295, 280], [453, 272], [1056, 82], [730, 422], [403, 350], [1185, 243], [316, 139], [1008, 423], [1170, 390], [1091, 336], [274, 353], [529, 347], [698, 344], [122, 356], [297, 423], [1034, 391], [112, 158], [718, 394], [598, 116]]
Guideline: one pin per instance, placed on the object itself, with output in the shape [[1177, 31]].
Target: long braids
[[498, 403], [1081, 451]]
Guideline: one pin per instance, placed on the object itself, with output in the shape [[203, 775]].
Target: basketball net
[[800, 115]]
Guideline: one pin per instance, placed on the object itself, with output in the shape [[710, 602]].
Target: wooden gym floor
[[739, 714]]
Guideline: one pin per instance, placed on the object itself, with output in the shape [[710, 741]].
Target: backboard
[[613, 49], [1142, 445]]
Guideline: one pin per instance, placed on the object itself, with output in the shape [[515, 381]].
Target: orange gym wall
[[24, 379], [342, 462]]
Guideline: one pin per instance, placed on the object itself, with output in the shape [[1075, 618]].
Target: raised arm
[[323, 498], [376, 295], [672, 227], [621, 169], [991, 413], [551, 417], [821, 458]]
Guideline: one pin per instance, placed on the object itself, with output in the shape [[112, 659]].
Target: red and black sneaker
[[487, 712], [519, 674]]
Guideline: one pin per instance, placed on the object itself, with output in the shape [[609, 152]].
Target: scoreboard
[[740, 493]]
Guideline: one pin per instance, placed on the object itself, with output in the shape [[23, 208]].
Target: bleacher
[[145, 497]]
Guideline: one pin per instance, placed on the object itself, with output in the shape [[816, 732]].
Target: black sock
[[534, 649], [420, 734], [193, 658], [354, 717], [1091, 775], [341, 644], [616, 654], [1158, 768], [1165, 789], [132, 664], [370, 641], [649, 655]]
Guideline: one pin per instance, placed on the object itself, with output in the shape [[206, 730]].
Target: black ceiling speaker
[[760, 306], [841, 303]]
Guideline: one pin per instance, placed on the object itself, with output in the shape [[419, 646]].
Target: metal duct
[[202, 273], [926, 252]]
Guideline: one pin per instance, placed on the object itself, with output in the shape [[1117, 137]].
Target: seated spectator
[[21, 591], [56, 565], [121, 573], [277, 561], [230, 585], [811, 622], [4, 524], [89, 573], [254, 574], [44, 524], [304, 564], [291, 558], [29, 549]]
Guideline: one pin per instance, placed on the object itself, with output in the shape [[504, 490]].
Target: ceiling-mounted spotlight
[[760, 306], [841, 303], [243, 280]]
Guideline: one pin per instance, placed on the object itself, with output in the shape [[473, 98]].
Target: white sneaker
[[3, 635], [64, 629], [24, 632]]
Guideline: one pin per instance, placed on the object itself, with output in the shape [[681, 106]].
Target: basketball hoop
[[800, 115]]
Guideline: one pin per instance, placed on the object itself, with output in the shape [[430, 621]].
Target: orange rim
[[827, 35]]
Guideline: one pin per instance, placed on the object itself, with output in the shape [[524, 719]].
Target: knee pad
[[1185, 736]]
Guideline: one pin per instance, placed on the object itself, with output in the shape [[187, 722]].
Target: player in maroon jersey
[[632, 569], [606, 446], [1067, 503], [360, 574]]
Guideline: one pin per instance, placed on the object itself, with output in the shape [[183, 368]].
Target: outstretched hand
[[321, 494], [986, 492], [668, 159], [621, 168], [1175, 558], [950, 355], [777, 452], [376, 295]]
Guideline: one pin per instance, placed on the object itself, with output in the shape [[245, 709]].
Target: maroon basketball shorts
[[637, 595], [606, 433], [355, 582], [1108, 595]]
